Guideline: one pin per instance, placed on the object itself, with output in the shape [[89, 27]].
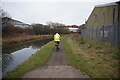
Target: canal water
[[16, 55]]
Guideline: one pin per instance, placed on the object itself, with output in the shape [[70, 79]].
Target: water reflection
[[19, 55]]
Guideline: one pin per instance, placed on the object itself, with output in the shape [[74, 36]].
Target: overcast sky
[[68, 12]]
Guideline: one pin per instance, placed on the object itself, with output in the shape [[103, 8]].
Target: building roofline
[[108, 4]]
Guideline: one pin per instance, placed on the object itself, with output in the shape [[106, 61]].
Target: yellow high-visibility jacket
[[56, 37]]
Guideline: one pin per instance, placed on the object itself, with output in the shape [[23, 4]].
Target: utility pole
[[118, 34], [118, 25]]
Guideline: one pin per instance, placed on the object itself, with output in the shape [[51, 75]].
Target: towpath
[[57, 67]]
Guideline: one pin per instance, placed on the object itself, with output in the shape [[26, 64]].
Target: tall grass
[[13, 40]]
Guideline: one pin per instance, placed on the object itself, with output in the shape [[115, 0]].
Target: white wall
[[73, 29]]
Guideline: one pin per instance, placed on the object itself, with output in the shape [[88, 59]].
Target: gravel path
[[56, 68]]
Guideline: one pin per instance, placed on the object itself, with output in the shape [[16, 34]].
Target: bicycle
[[57, 45]]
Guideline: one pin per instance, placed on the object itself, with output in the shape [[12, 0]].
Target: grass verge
[[37, 60], [96, 59]]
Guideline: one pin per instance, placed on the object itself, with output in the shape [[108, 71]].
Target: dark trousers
[[57, 43]]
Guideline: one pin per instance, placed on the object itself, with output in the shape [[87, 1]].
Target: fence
[[105, 33]]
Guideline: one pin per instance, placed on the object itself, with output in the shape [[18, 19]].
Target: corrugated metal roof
[[108, 4]]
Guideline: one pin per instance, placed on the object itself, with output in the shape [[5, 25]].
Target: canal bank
[[38, 59], [8, 42], [16, 55], [8, 48]]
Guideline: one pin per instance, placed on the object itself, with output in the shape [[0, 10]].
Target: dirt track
[[56, 68]]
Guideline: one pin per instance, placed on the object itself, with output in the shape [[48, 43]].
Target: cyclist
[[57, 40]]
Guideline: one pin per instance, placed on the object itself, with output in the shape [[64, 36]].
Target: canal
[[15, 55]]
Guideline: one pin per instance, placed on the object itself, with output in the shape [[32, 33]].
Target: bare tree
[[5, 17], [58, 27], [4, 13]]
